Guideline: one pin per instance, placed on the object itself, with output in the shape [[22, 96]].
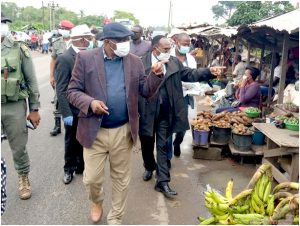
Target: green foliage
[[248, 12], [92, 20], [39, 18], [125, 15], [224, 9]]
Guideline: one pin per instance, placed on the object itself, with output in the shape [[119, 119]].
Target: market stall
[[282, 151], [276, 34]]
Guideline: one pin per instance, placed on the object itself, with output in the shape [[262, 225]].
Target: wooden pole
[[262, 53], [236, 45], [271, 76], [248, 56], [284, 58], [221, 61]]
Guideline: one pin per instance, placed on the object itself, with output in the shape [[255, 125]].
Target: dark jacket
[[63, 73], [88, 83], [175, 73]]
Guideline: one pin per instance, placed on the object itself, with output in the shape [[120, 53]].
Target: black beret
[[115, 30]]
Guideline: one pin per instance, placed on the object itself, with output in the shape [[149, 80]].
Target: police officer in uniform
[[18, 87], [59, 45]]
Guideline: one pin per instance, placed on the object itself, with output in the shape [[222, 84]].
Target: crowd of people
[[111, 89]]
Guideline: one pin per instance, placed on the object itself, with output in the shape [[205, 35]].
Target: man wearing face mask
[[165, 113], [105, 86], [18, 85], [81, 37], [181, 52], [60, 44], [138, 46]]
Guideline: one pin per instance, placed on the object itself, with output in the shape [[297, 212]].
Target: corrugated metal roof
[[285, 22]]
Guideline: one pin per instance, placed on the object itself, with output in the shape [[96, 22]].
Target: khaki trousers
[[116, 145]]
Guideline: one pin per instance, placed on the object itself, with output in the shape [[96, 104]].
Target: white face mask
[[163, 56], [122, 48], [100, 43], [4, 30], [64, 33]]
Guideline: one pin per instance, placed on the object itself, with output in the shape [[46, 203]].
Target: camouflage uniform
[[18, 84]]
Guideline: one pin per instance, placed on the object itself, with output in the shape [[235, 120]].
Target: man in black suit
[[80, 38], [165, 113]]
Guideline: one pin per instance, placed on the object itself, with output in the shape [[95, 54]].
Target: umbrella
[[66, 24]]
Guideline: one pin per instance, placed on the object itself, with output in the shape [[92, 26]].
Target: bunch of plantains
[[258, 204]]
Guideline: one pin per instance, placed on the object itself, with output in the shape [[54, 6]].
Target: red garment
[[33, 38]]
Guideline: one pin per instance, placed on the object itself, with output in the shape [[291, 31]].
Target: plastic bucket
[[201, 137], [221, 135], [241, 142], [258, 138]]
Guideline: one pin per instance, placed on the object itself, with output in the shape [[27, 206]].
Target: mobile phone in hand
[[29, 125]]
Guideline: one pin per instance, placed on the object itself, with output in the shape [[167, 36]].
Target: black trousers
[[73, 149], [178, 138], [147, 145]]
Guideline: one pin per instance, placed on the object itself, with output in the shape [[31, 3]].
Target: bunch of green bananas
[[218, 205], [262, 202], [223, 208], [257, 204]]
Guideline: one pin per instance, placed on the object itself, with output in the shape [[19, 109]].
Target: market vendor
[[248, 93]]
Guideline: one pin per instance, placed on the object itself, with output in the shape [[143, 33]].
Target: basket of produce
[[241, 137], [252, 112], [201, 137], [201, 127], [221, 127], [292, 123], [240, 117], [258, 204]]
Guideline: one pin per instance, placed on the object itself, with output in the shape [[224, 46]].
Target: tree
[[10, 9], [224, 9], [92, 20], [24, 17], [63, 14], [251, 11], [125, 15]]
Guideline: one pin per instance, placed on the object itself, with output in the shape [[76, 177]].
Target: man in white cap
[[105, 86], [80, 40]]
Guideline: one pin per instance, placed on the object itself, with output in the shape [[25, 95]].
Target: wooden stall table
[[282, 151]]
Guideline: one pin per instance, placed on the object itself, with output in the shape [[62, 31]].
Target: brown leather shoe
[[96, 212]]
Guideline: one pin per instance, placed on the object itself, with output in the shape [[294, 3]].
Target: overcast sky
[[149, 12]]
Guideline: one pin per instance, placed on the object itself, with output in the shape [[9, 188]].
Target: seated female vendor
[[248, 93]]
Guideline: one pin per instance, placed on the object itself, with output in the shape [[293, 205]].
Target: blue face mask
[[91, 45], [100, 43], [184, 49]]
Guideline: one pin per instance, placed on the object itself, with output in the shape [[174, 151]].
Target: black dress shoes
[[79, 171], [147, 175], [166, 190], [177, 151], [68, 177]]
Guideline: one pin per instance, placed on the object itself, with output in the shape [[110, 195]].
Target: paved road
[[53, 202]]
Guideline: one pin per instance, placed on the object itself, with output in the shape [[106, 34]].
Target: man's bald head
[[182, 36]]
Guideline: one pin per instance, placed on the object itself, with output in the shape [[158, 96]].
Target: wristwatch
[[35, 110]]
